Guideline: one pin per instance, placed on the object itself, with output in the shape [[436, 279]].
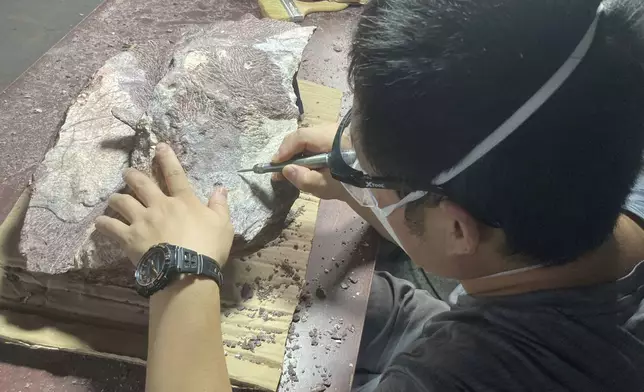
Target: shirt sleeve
[[398, 380], [635, 201]]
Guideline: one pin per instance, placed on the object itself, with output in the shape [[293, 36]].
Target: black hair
[[433, 78]]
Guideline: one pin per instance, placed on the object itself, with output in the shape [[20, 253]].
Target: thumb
[[305, 179], [219, 201]]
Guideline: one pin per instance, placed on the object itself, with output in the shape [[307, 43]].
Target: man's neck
[[613, 260]]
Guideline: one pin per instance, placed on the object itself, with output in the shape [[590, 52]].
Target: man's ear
[[462, 232]]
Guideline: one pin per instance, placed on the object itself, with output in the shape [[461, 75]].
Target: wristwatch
[[163, 263]]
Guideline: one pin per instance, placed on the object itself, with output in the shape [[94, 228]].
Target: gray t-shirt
[[583, 339]]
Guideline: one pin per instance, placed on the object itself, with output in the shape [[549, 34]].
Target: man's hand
[[314, 140], [178, 218]]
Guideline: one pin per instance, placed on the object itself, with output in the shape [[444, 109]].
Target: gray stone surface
[[84, 167], [225, 104], [222, 97]]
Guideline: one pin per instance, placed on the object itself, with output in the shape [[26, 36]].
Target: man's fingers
[[277, 177], [111, 227], [126, 205], [219, 201], [304, 179], [144, 188], [304, 139], [173, 173]]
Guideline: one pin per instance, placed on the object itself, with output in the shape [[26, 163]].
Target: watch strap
[[191, 262]]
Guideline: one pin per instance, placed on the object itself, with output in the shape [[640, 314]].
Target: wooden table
[[33, 106]]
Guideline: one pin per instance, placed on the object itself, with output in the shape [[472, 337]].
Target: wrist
[[201, 288]]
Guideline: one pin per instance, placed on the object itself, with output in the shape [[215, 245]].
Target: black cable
[[431, 285]]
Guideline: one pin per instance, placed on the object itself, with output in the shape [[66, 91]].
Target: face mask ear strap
[[410, 198]]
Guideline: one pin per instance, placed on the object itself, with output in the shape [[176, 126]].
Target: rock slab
[[223, 97]]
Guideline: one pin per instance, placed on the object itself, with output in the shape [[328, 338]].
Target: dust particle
[[246, 292], [320, 293], [230, 343], [287, 267], [291, 370]]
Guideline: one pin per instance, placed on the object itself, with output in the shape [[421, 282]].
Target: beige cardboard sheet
[[258, 299]]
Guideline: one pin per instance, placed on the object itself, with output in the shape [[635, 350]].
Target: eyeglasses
[[346, 168]]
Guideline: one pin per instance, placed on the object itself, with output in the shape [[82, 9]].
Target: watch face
[[151, 267]]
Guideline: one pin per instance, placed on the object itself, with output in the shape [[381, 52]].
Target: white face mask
[[384, 220], [382, 214], [366, 198]]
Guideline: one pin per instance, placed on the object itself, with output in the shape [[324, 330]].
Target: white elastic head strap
[[527, 110]]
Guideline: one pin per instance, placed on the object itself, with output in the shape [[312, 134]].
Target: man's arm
[[185, 350]]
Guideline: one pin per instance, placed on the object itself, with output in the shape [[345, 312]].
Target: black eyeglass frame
[[343, 172]]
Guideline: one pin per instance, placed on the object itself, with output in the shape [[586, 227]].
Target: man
[[497, 144]]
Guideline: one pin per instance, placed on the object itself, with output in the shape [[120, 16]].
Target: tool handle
[[307, 7], [312, 162]]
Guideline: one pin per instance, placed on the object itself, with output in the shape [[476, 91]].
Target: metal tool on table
[[313, 162], [294, 10]]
